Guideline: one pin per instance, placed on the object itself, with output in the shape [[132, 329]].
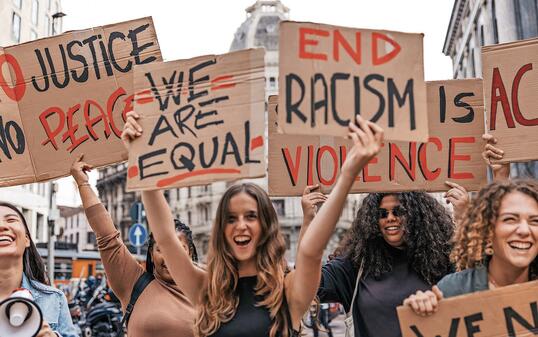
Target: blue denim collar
[[26, 284]]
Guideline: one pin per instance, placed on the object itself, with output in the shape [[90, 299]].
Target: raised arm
[[121, 267], [303, 282], [310, 202], [186, 275], [88, 196]]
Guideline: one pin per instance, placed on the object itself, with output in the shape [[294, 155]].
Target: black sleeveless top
[[250, 320]]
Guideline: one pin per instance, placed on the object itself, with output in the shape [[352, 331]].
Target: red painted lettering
[[378, 59], [452, 157], [498, 85], [340, 40], [319, 158], [409, 166], [293, 168], [304, 41], [423, 161], [15, 93], [515, 102], [51, 134]]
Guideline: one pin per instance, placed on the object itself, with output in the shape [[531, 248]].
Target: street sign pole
[[139, 218]]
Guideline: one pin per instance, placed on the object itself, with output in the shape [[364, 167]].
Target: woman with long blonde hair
[[496, 244], [247, 289]]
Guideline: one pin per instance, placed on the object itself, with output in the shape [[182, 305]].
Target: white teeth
[[520, 245], [242, 239], [392, 228], [6, 238]]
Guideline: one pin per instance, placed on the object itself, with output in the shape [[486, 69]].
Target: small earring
[[489, 251]]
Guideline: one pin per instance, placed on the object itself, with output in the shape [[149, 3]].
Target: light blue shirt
[[53, 305]]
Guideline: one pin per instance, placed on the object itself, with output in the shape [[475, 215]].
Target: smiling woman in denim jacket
[[22, 267]]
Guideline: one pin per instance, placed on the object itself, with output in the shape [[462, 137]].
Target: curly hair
[[474, 236], [428, 228], [219, 300]]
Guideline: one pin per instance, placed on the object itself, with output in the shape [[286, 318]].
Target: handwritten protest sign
[[510, 86], [453, 150], [507, 311], [205, 121], [328, 74], [15, 163], [66, 95]]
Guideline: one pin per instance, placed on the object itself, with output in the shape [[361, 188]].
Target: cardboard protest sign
[[205, 121], [329, 74], [15, 163], [510, 86], [71, 92], [453, 151], [506, 311]]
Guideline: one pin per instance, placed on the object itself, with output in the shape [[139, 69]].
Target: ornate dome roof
[[260, 29]]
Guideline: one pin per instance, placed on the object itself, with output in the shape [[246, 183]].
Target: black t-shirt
[[250, 320], [374, 311]]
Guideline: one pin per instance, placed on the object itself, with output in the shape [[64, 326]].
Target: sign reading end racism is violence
[[204, 122], [66, 95], [452, 152], [508, 311], [510, 86], [329, 74]]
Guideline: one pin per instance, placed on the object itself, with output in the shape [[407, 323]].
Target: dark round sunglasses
[[396, 211]]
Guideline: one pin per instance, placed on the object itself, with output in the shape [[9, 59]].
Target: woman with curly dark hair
[[398, 243], [496, 245]]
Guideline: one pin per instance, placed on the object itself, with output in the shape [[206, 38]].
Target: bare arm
[[186, 275], [303, 282]]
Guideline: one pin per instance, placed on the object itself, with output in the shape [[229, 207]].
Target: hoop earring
[[489, 248]]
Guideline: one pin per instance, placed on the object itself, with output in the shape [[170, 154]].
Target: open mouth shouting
[[242, 240]]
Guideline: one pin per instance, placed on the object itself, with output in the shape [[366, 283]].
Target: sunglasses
[[397, 211]]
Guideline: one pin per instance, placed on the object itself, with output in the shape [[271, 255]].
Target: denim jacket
[[53, 305], [464, 282]]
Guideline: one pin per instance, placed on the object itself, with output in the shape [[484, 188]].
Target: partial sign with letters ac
[[205, 121], [66, 95], [452, 152], [510, 73], [508, 311], [329, 74]]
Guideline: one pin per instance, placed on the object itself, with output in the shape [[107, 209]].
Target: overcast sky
[[187, 29]]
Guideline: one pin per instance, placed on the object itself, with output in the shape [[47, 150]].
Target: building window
[[473, 66], [91, 238], [50, 5], [35, 11], [189, 217], [78, 237], [206, 213], [18, 3], [47, 25], [272, 82], [279, 206], [482, 41], [526, 18], [494, 20], [188, 192], [40, 224], [33, 36], [16, 28]]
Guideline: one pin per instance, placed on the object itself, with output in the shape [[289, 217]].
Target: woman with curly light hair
[[496, 244], [247, 290]]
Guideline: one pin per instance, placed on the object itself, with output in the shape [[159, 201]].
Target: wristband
[[83, 184]]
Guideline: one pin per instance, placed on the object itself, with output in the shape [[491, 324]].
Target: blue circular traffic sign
[[138, 234]]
